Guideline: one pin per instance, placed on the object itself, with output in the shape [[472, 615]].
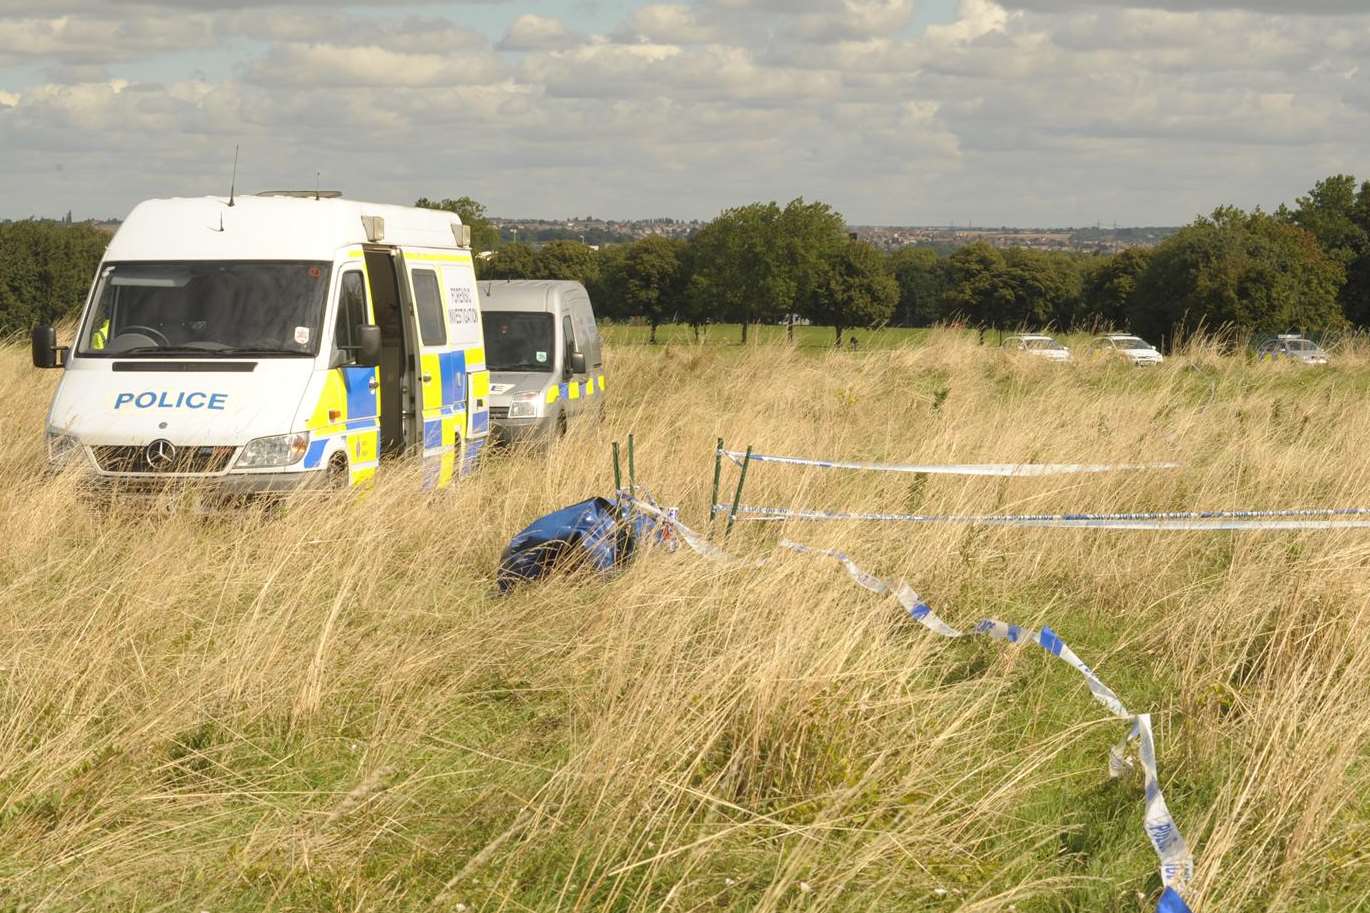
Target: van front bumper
[[510, 432], [231, 486]]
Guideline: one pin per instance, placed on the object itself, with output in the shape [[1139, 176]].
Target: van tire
[[338, 475]]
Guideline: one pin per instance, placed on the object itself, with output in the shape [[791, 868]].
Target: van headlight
[[279, 450], [62, 447], [525, 405]]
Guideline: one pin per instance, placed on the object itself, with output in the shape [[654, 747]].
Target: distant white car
[[1293, 347], [1039, 346], [1133, 348]]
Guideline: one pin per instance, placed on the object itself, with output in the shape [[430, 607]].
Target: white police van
[[545, 357], [272, 342]]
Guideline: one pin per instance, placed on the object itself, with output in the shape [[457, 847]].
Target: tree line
[[45, 271], [1304, 267]]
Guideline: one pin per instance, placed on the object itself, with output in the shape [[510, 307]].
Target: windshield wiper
[[167, 350], [205, 351], [249, 350]]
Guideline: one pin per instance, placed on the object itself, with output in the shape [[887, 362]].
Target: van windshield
[[207, 308], [519, 341]]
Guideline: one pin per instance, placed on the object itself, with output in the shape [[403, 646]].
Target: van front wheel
[[337, 479]]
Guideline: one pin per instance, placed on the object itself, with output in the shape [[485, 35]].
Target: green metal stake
[[718, 469], [618, 473], [737, 495], [632, 473]]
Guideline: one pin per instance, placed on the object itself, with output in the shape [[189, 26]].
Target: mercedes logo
[[160, 454]]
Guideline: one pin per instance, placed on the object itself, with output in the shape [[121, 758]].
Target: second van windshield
[[519, 341]]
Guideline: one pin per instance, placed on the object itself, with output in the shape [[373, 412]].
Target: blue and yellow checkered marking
[[348, 408], [576, 389]]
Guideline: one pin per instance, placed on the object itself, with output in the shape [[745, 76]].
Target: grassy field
[[324, 707]]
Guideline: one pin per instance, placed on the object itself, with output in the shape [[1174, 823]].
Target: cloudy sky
[[1023, 112]]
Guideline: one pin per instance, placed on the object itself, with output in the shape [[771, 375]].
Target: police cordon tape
[[1292, 518], [1176, 861], [956, 469]]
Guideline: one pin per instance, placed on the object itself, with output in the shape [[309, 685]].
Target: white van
[[546, 361], [270, 342]]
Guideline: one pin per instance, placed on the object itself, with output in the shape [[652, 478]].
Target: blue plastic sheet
[[596, 534]]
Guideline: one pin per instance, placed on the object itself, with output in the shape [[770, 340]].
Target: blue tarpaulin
[[596, 533]]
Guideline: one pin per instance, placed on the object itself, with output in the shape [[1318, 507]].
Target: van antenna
[[233, 185]]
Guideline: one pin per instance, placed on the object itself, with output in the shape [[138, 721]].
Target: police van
[[272, 342], [545, 357]]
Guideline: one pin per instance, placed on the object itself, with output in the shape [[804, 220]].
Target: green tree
[[922, 285], [484, 235], [1329, 212], [696, 301], [977, 288], [651, 278], [1339, 217], [743, 268], [1110, 283], [607, 291], [512, 261], [45, 271], [1045, 288], [812, 234], [1250, 270], [566, 260], [852, 288]]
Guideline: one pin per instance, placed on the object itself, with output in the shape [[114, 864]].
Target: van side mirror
[[368, 345], [46, 352], [575, 362]]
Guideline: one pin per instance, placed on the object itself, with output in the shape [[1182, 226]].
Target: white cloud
[[1017, 111], [293, 64], [413, 34], [538, 33], [667, 23], [1282, 7], [975, 19], [87, 39]]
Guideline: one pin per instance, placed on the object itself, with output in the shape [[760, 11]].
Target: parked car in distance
[[1293, 347], [1038, 346], [1133, 348]]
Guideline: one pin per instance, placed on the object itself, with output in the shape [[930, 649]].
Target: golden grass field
[[323, 707]]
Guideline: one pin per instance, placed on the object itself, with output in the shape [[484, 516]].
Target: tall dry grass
[[323, 707]]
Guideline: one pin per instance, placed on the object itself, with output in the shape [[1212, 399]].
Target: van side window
[[351, 310], [432, 327], [568, 335]]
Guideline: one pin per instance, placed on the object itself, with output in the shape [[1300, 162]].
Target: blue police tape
[[958, 469], [1176, 861], [1293, 518]]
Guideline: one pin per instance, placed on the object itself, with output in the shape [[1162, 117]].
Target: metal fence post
[[737, 495], [718, 470], [618, 473]]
